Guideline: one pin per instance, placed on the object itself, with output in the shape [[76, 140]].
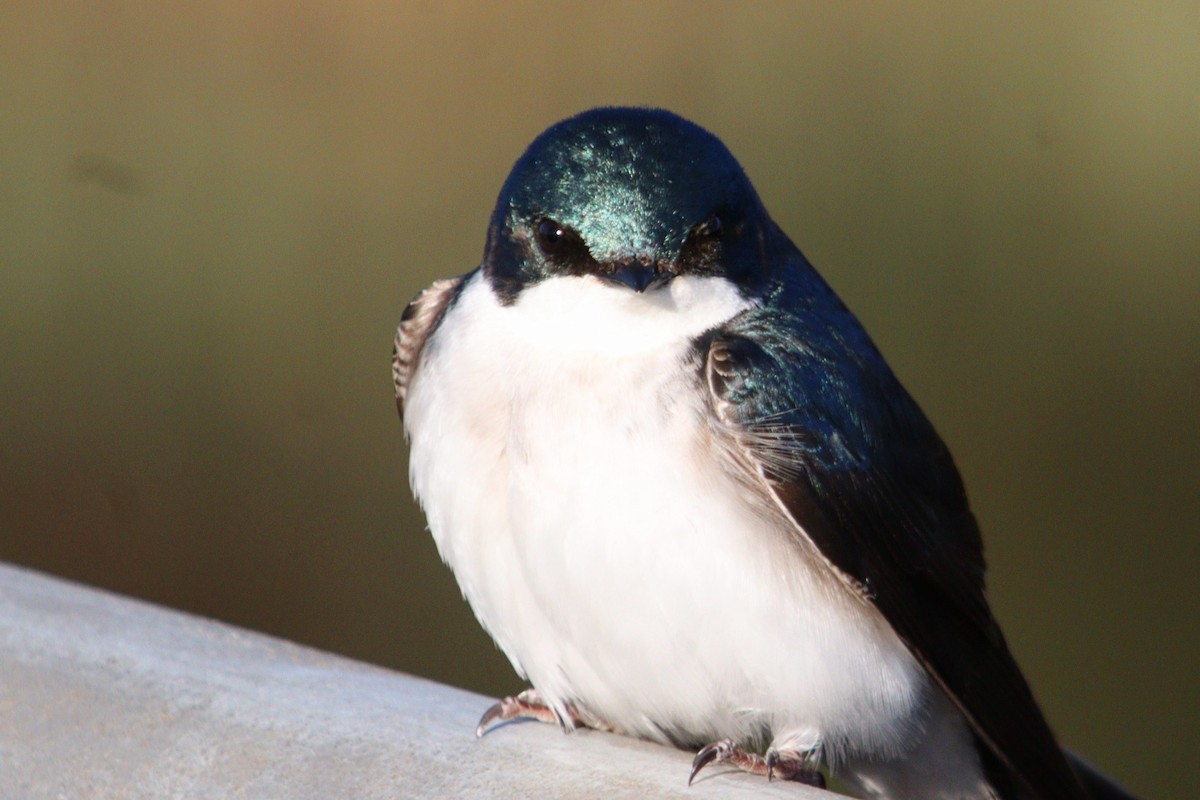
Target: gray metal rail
[[102, 696]]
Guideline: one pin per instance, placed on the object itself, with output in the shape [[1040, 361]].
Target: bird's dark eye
[[551, 237], [711, 226], [703, 246], [559, 242]]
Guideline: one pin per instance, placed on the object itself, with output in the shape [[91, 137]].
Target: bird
[[682, 490]]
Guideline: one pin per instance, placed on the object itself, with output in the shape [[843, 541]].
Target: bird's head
[[634, 197]]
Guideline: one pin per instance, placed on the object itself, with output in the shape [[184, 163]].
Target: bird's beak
[[637, 275]]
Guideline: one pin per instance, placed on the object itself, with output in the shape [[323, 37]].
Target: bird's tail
[[1098, 786]]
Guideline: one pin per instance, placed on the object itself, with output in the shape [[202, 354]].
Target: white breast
[[561, 448]]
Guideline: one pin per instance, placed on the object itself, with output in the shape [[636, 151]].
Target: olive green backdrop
[[212, 214]]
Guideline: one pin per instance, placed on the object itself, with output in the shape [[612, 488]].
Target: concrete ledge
[[103, 696]]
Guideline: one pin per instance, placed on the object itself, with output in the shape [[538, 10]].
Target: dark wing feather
[[419, 319], [850, 457]]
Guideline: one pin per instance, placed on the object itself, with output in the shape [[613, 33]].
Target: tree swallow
[[685, 494]]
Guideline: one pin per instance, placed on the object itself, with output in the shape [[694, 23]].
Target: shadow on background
[[213, 216]]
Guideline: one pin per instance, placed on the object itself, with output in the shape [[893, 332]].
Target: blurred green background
[[212, 215]]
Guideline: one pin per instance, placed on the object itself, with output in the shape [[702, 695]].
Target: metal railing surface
[[102, 696]]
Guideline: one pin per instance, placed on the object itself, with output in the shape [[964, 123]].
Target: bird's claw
[[783, 764], [530, 705], [526, 705], [792, 766], [727, 751]]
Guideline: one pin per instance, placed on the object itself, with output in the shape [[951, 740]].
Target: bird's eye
[[703, 246], [711, 226], [561, 244], [551, 237]]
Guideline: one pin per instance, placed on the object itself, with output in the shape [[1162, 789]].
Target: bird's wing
[[817, 417], [419, 319]]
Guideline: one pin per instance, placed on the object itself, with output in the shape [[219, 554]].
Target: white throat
[[586, 316]]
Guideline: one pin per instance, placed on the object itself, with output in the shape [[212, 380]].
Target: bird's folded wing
[[419, 319], [820, 420]]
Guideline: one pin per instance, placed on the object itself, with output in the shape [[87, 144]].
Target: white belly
[[561, 450]]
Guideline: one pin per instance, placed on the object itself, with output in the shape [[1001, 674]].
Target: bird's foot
[[786, 765], [529, 705]]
